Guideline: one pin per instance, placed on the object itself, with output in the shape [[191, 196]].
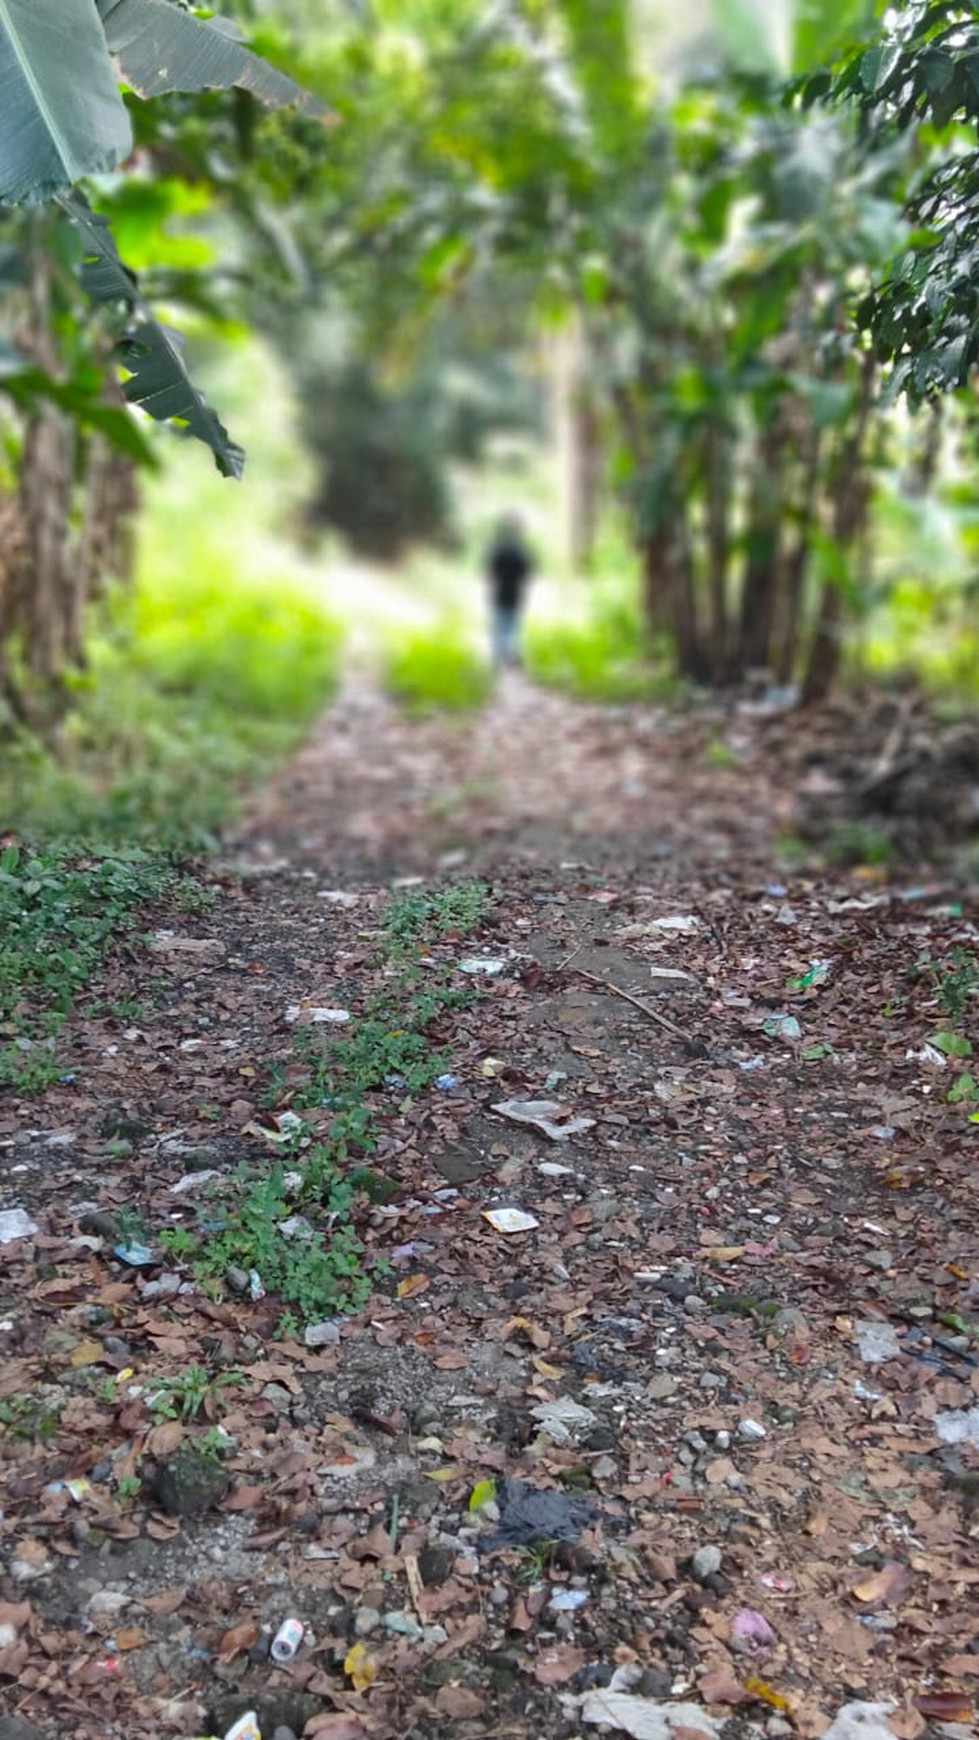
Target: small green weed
[[128, 1486], [315, 1273], [29, 1417], [430, 671], [419, 915], [183, 1397], [719, 754], [859, 843], [956, 982], [60, 913]]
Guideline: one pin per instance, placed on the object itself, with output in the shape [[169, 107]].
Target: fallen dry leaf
[[459, 1703], [885, 1587]]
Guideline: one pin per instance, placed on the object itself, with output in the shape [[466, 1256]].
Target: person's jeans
[[505, 626]]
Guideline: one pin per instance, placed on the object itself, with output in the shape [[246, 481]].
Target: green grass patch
[[431, 670], [195, 689], [600, 658], [270, 1221], [59, 916]]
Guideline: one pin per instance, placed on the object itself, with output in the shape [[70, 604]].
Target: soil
[[755, 1273]]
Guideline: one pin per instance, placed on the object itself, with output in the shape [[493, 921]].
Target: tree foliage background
[[758, 224]]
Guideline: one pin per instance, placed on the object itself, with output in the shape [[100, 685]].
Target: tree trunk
[[789, 610], [718, 465], [760, 586], [851, 501]]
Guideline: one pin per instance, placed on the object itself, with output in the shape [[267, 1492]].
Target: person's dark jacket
[[509, 570]]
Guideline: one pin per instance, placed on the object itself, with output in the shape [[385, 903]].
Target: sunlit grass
[[431, 669]]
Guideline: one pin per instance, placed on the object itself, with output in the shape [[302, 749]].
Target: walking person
[[510, 567]]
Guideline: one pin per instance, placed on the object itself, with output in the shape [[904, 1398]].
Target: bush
[[602, 658], [431, 669], [192, 693]]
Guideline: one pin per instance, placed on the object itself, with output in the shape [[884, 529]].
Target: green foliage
[[918, 81], [182, 1397], [64, 117], [31, 1418], [956, 981], [192, 692], [603, 657], [315, 1272], [360, 429], [419, 915], [858, 843], [59, 916], [429, 670]]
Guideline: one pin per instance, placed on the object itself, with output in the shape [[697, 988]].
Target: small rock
[[711, 1380], [751, 1429], [8, 1635], [694, 1305], [116, 1348], [18, 1728], [882, 1260], [600, 1438], [283, 1733], [190, 1483], [425, 1417], [696, 1441], [108, 1601], [238, 1280], [105, 1225], [705, 1562], [604, 1468], [723, 1440], [325, 1334], [435, 1565], [366, 1620]]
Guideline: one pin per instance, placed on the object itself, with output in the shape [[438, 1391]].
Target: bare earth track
[[776, 1524]]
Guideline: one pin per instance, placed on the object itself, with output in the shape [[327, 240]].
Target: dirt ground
[[733, 1357]]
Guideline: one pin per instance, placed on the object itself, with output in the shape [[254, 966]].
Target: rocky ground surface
[[684, 1443]]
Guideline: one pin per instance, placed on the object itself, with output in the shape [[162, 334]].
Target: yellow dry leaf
[[360, 1666], [441, 1473], [87, 1353], [544, 1367], [767, 1694], [723, 1253], [411, 1285]]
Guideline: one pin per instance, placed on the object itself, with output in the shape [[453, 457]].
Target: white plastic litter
[[482, 964], [683, 925], [542, 1115], [510, 1220], [561, 1417], [15, 1224], [860, 1721], [317, 1013], [877, 1341], [645, 1719], [958, 1426]]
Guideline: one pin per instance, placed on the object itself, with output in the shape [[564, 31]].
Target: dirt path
[[732, 1355]]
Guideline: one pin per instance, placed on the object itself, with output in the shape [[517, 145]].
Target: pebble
[[115, 1347], [8, 1635], [693, 1305], [705, 1562], [326, 1334], [696, 1441], [722, 1439], [108, 1601], [751, 1429], [284, 1733], [711, 1380], [366, 1620]]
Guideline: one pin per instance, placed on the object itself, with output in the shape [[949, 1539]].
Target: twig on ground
[[637, 1002]]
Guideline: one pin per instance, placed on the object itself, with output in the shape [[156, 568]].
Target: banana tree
[[68, 383]]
